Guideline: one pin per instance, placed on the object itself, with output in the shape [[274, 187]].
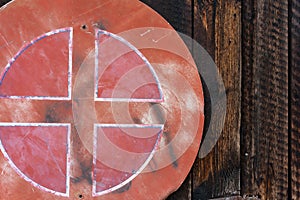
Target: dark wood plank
[[237, 198], [217, 29], [2, 2], [179, 15], [295, 97], [264, 142]]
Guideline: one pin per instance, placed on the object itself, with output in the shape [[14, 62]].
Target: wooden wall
[[294, 100]]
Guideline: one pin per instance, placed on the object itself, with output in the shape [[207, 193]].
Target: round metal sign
[[98, 100]]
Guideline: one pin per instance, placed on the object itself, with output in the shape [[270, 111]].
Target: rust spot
[[101, 25], [59, 112], [85, 174], [123, 189], [83, 160], [136, 120], [171, 150]]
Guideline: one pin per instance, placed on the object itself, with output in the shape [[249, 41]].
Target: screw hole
[[84, 27], [80, 196]]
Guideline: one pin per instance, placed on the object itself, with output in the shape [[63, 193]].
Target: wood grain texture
[[177, 13], [264, 130], [218, 28], [295, 97], [2, 2]]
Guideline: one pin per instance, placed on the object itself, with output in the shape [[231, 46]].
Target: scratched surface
[[57, 123]]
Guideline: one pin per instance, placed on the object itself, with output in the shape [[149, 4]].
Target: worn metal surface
[[68, 93]]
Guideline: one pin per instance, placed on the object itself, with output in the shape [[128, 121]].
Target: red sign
[[85, 112]]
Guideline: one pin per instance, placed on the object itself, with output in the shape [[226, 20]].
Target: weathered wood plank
[[2, 2], [295, 97], [264, 143], [218, 29], [179, 15]]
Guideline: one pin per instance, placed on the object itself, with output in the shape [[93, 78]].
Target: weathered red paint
[[38, 152], [48, 155]]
